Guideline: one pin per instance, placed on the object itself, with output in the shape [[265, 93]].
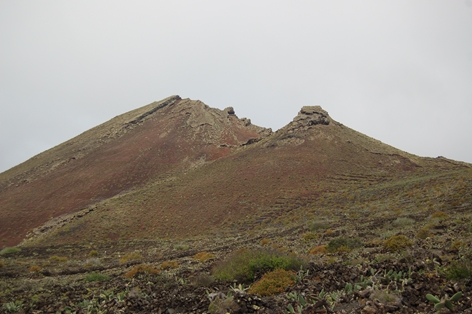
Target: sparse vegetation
[[318, 226], [343, 244], [134, 256], [439, 215], [223, 305], [309, 236], [96, 277], [403, 221], [244, 264], [461, 269], [9, 250], [265, 241], [59, 259]]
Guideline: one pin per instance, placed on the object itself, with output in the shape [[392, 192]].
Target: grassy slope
[[122, 154], [263, 182]]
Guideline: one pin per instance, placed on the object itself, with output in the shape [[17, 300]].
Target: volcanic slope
[[272, 178], [150, 144]]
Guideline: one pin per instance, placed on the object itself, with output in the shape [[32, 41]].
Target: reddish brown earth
[[122, 154], [177, 168]]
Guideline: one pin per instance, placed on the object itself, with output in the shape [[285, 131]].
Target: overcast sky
[[398, 71]]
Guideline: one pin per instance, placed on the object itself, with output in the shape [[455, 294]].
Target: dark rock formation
[[311, 115]]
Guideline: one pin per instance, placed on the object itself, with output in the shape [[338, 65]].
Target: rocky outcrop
[[311, 115], [307, 118]]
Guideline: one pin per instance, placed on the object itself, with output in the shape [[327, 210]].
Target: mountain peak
[[307, 118], [312, 115]]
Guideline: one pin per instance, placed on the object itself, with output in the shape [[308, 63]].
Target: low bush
[[244, 264], [309, 236], [2, 264], [320, 249], [169, 265], [397, 242], [9, 250], [273, 282], [343, 244], [142, 269], [93, 253], [59, 259], [439, 215], [423, 233], [96, 277], [457, 245], [34, 269], [460, 270], [265, 241], [203, 256]]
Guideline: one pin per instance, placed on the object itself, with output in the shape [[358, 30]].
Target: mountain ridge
[[177, 167]]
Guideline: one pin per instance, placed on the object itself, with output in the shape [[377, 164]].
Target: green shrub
[[397, 242], [460, 270], [243, 265], [10, 250], [93, 253], [96, 277], [343, 244], [273, 282]]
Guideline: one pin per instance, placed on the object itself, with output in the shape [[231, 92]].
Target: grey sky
[[398, 71]]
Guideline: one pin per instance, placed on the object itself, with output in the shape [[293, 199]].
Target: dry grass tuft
[[142, 269], [273, 282], [169, 265], [203, 256], [59, 259], [320, 249], [130, 257], [397, 242], [34, 269]]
